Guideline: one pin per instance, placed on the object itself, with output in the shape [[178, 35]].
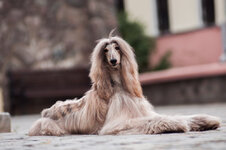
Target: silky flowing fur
[[115, 103]]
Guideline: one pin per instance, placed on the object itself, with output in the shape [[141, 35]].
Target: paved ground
[[187, 141]]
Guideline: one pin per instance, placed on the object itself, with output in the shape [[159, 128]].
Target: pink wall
[[192, 48]]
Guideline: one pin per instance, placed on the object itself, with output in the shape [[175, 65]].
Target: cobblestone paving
[[207, 140]]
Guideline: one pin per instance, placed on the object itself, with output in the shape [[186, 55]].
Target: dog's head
[[112, 54]]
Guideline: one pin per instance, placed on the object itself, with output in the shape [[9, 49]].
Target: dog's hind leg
[[149, 125], [46, 126], [203, 122], [60, 109]]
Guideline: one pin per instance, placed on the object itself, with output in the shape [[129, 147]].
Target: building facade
[[191, 29]]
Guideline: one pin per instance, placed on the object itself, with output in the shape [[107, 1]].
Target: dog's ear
[[99, 73], [129, 68]]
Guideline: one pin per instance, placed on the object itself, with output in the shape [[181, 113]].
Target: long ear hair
[[99, 73], [129, 68]]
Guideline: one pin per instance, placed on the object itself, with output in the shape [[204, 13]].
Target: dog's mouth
[[114, 65]]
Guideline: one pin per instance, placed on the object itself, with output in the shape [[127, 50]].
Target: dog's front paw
[[203, 122]]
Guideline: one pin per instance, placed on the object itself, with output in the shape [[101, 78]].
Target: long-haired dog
[[115, 103]]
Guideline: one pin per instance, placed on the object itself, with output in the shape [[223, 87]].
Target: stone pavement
[[207, 140]]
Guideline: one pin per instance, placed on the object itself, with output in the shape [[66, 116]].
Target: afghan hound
[[115, 103]]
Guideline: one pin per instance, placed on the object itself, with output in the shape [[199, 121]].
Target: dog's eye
[[117, 48], [105, 50]]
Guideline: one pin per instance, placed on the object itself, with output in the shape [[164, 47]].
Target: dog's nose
[[113, 61]]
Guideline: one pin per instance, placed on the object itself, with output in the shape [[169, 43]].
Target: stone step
[[5, 122], [186, 85]]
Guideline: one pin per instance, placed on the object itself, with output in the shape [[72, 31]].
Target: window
[[119, 5], [163, 16], [208, 14]]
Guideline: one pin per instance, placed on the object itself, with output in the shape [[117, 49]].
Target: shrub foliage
[[133, 33]]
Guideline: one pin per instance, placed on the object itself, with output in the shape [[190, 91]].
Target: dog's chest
[[116, 80], [124, 105]]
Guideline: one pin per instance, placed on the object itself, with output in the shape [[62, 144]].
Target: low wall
[[29, 91], [192, 48], [187, 85]]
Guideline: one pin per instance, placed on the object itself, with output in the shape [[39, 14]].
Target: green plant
[[164, 62], [133, 33]]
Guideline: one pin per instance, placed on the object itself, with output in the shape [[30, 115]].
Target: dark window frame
[[208, 12], [163, 16], [120, 6]]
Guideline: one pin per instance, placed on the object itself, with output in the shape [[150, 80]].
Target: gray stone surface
[[5, 122], [199, 90], [207, 140], [41, 34]]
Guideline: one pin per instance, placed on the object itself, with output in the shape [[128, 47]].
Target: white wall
[[220, 11], [145, 12], [184, 15]]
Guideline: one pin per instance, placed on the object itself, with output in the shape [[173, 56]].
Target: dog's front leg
[[147, 125], [162, 124]]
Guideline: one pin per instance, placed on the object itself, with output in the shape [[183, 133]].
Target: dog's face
[[112, 54]]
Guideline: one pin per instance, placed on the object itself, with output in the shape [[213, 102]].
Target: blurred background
[[45, 47]]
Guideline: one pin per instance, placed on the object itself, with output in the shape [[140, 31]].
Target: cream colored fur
[[115, 104]]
